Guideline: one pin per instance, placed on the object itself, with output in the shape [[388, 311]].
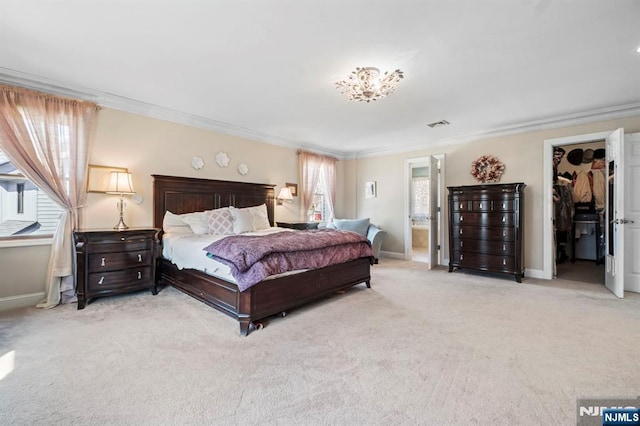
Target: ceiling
[[265, 69]]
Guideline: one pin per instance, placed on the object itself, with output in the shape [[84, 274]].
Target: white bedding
[[187, 251]]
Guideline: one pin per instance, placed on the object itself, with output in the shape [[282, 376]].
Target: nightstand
[[113, 262], [298, 225]]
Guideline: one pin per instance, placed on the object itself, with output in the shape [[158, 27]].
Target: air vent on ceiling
[[439, 124]]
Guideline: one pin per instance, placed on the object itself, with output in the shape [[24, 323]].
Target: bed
[[271, 296]]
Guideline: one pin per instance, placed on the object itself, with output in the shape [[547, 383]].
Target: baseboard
[[534, 273], [392, 255], [20, 301]]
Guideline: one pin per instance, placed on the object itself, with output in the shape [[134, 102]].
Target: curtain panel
[[309, 166], [47, 137]]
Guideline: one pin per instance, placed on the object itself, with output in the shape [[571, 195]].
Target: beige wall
[[521, 153], [24, 270], [149, 146]]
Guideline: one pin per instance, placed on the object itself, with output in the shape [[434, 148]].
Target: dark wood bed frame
[[272, 296]]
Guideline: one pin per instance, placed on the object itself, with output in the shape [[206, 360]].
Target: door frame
[[407, 205], [548, 250]]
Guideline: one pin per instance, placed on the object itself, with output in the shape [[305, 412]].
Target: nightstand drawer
[[111, 261], [119, 279], [122, 244]]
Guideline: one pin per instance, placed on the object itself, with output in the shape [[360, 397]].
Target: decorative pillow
[[361, 226], [197, 222], [220, 221], [173, 223], [242, 220]]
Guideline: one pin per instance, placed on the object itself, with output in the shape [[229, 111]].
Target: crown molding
[[121, 103], [585, 117], [110, 100]]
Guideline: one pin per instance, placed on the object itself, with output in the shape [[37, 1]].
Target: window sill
[[26, 241]]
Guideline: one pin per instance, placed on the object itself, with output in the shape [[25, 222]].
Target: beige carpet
[[419, 347]]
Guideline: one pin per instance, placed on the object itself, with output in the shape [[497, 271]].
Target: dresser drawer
[[484, 261], [119, 279], [119, 260], [483, 219], [461, 205], [484, 233], [484, 246]]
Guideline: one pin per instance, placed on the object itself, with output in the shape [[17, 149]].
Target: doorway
[[424, 189], [622, 152], [579, 203]]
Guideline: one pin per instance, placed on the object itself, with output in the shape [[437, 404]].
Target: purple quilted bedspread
[[254, 258]]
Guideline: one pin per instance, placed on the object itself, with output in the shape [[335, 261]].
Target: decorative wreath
[[487, 169]]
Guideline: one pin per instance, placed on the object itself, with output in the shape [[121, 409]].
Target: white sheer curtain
[[47, 138], [309, 165]]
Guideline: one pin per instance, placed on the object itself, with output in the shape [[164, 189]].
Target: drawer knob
[[101, 280], [139, 275], [460, 231], [504, 233], [461, 243], [461, 218], [504, 261], [504, 205], [139, 257], [103, 262], [480, 205], [462, 257], [504, 219], [504, 247], [460, 206], [122, 238]]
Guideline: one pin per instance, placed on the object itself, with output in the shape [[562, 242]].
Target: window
[[24, 208], [319, 211]]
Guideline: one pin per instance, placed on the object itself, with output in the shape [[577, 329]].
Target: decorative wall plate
[[243, 169], [197, 162], [222, 159]]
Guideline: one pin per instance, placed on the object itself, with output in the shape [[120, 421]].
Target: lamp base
[[121, 226]]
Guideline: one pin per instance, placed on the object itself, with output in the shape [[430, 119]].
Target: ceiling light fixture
[[366, 84]]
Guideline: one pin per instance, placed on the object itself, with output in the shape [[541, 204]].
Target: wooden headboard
[[185, 195]]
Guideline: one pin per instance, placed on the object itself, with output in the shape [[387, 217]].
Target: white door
[[632, 213], [433, 212], [614, 216]]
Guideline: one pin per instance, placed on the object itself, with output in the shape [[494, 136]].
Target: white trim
[[150, 110], [547, 201], [21, 301], [26, 242], [533, 273], [392, 255]]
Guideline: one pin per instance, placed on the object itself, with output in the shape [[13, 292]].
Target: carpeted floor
[[419, 347]]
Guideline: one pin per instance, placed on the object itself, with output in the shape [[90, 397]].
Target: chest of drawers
[[114, 262], [486, 228]]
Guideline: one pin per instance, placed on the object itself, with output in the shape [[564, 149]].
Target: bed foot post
[[245, 326]]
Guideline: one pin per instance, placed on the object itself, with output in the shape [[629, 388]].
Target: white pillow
[[220, 221], [197, 222], [173, 223], [260, 217], [242, 220]]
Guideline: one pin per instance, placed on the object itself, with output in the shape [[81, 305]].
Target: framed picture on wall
[[370, 190], [293, 187], [98, 177]]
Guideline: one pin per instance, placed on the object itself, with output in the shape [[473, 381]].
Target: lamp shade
[[120, 183], [285, 194]]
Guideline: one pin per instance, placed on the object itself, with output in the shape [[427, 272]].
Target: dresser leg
[[519, 278], [450, 268], [81, 303]]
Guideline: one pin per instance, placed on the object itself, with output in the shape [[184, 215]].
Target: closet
[[579, 195]]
